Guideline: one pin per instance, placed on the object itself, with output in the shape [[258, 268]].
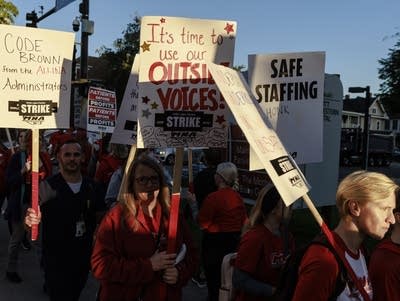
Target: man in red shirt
[[365, 201], [384, 267]]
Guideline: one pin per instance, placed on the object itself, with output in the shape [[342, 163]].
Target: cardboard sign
[[290, 90], [126, 127], [279, 165], [102, 110], [179, 103], [35, 77]]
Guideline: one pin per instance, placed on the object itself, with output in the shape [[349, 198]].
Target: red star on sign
[[145, 99], [229, 28], [220, 119], [145, 47], [162, 20]]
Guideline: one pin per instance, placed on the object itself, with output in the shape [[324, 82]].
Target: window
[[394, 124], [373, 111]]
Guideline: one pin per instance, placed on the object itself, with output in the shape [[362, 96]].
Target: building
[[354, 112]]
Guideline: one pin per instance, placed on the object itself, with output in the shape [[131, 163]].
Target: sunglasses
[[145, 180]]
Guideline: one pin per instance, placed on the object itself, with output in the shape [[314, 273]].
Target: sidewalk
[[31, 286]]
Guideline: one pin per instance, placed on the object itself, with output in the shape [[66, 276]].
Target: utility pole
[[367, 103], [84, 10], [366, 127]]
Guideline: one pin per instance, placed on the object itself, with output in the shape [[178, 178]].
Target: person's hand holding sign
[[162, 260], [27, 167], [32, 218]]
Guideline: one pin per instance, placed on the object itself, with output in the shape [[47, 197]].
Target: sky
[[354, 34]]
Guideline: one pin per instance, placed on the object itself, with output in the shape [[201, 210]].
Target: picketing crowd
[[93, 219]]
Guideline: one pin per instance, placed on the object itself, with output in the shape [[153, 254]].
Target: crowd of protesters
[[91, 219]]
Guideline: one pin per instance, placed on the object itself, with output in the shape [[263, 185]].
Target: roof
[[354, 104]]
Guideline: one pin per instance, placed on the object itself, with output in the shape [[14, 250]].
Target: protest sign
[[126, 127], [179, 104], [279, 165], [102, 110], [290, 90], [35, 77], [281, 169]]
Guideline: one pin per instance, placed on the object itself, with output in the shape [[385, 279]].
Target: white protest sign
[[35, 77], [126, 127], [179, 103], [279, 165], [102, 110], [290, 90]]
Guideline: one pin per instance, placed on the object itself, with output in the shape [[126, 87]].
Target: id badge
[[80, 228]]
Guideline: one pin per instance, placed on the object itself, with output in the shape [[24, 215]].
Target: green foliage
[[8, 12], [389, 73], [120, 57], [239, 68]]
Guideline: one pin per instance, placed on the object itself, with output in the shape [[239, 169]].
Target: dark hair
[[69, 141], [270, 200]]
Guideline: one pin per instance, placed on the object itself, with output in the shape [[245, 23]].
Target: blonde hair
[[127, 197], [363, 186]]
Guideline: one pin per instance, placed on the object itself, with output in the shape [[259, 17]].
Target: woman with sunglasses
[[129, 256]]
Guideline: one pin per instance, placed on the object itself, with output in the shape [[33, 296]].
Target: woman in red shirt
[[129, 256], [221, 217], [264, 248]]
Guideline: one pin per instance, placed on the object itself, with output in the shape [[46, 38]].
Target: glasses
[[145, 180]]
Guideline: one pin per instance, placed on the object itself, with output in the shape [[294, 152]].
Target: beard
[[70, 167]]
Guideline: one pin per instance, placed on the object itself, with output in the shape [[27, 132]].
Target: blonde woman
[[264, 247], [365, 201], [129, 256]]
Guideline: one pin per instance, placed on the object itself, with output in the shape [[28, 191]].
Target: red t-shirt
[[261, 254], [106, 168], [384, 271], [121, 257], [319, 270], [222, 211]]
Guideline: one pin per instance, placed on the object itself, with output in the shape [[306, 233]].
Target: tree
[[120, 58], [389, 73], [8, 12]]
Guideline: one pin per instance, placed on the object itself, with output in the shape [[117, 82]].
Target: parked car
[[396, 154], [167, 155]]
